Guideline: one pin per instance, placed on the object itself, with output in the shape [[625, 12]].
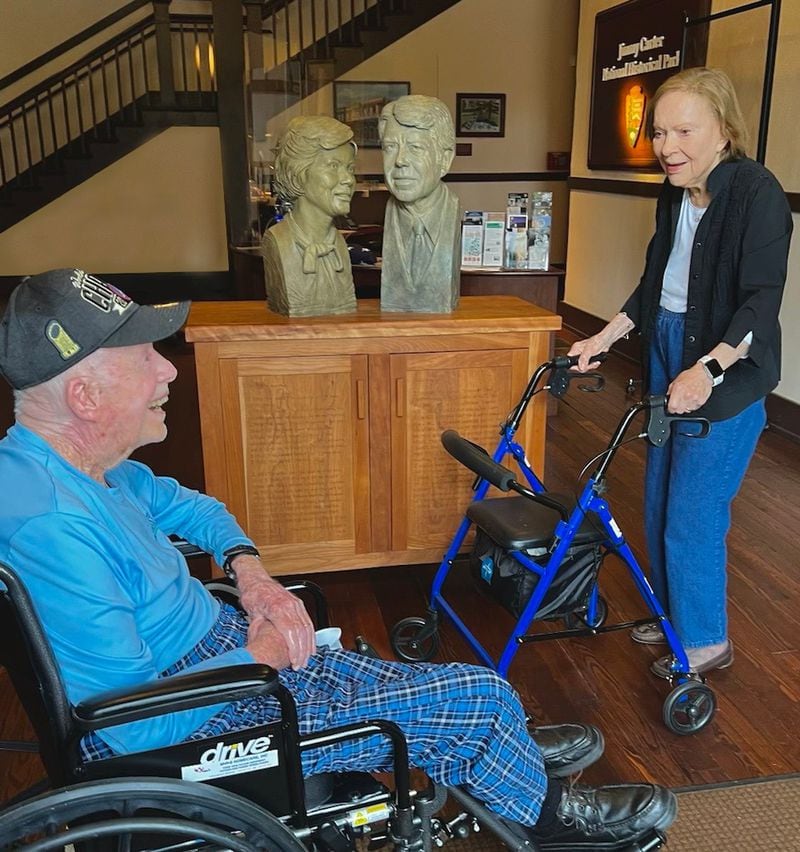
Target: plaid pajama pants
[[464, 724]]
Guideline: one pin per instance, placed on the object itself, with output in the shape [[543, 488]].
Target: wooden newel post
[[166, 79]]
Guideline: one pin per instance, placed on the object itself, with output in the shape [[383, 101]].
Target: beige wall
[[160, 209], [608, 234]]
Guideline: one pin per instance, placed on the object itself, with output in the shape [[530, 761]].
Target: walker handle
[[475, 458], [562, 375], [659, 423]]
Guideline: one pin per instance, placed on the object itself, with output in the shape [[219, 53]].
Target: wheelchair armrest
[[180, 692]]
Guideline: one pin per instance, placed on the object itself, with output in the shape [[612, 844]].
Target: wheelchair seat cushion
[[518, 523]]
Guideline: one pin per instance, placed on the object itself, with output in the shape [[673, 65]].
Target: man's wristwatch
[[231, 553], [713, 370]]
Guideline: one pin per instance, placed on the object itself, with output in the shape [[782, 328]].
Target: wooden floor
[[604, 679]]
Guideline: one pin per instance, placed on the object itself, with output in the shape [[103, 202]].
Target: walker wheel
[[689, 707], [414, 640], [575, 620]]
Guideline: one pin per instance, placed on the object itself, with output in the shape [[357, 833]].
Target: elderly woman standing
[[707, 310], [306, 262]]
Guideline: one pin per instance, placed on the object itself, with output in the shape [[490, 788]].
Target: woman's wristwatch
[[713, 369], [231, 553]]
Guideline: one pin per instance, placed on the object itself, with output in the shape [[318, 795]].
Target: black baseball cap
[[56, 318]]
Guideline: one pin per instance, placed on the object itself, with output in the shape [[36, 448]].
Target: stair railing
[[80, 104], [307, 30]]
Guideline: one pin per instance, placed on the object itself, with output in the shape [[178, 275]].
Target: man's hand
[[266, 644], [689, 390], [263, 597]]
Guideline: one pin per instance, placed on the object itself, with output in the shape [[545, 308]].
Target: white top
[[676, 275]]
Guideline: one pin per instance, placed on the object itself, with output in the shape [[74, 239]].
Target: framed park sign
[[637, 45]]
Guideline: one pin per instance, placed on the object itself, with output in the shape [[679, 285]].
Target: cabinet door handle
[[361, 399], [399, 397]]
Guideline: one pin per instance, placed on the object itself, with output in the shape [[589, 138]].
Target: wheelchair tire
[[575, 620], [115, 810], [414, 640], [689, 707]]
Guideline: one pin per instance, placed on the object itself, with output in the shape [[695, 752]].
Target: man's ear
[[446, 160], [82, 395]]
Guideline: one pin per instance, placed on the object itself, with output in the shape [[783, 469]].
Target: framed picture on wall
[[358, 105], [480, 114]]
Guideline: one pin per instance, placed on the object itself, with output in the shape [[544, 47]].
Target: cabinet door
[[297, 455], [471, 392]]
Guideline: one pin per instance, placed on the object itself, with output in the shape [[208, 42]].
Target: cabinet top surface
[[226, 321]]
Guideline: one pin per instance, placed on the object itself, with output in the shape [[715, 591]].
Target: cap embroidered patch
[[99, 293], [65, 345]]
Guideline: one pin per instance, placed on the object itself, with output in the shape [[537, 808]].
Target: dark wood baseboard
[[149, 288], [783, 415]]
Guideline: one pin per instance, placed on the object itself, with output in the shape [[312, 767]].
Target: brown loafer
[[663, 666]]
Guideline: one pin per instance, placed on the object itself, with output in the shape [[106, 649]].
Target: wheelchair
[[258, 799], [539, 553]]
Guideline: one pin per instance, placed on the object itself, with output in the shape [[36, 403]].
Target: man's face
[[133, 383], [330, 180], [412, 162]]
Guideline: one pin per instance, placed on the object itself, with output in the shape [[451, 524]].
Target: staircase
[[160, 73]]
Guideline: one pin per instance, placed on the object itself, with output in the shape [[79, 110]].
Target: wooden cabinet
[[322, 435]]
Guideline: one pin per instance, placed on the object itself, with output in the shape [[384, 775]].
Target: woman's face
[[687, 139], [330, 180]]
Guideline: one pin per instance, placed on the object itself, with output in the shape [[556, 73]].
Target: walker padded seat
[[519, 523]]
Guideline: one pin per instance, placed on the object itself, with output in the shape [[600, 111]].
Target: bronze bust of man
[[422, 233], [306, 263]]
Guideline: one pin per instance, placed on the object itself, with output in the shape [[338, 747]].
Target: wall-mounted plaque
[[637, 45]]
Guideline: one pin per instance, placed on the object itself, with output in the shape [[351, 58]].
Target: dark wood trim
[[229, 55], [153, 287], [640, 189], [485, 177], [783, 415], [617, 187], [73, 41]]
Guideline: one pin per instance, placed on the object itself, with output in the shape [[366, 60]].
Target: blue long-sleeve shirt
[[115, 597]]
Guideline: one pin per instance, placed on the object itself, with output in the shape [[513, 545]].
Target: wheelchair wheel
[[689, 707], [414, 640], [158, 812], [575, 620]]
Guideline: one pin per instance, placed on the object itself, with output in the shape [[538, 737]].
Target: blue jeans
[[690, 484]]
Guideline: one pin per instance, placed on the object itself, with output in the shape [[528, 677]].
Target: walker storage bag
[[512, 584]]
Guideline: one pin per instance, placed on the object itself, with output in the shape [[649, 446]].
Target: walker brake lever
[[659, 423], [561, 375]]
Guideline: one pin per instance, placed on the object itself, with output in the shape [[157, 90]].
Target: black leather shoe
[[568, 748], [607, 818]]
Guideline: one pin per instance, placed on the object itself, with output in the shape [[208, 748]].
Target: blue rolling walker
[[539, 553]]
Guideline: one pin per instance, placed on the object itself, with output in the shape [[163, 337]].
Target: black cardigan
[[736, 278]]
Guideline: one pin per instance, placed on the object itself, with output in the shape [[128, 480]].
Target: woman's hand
[[618, 327], [585, 349], [689, 390], [263, 597]]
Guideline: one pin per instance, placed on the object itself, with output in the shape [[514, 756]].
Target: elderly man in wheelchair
[[147, 674]]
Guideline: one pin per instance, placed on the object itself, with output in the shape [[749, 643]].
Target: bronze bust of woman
[[306, 263]]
